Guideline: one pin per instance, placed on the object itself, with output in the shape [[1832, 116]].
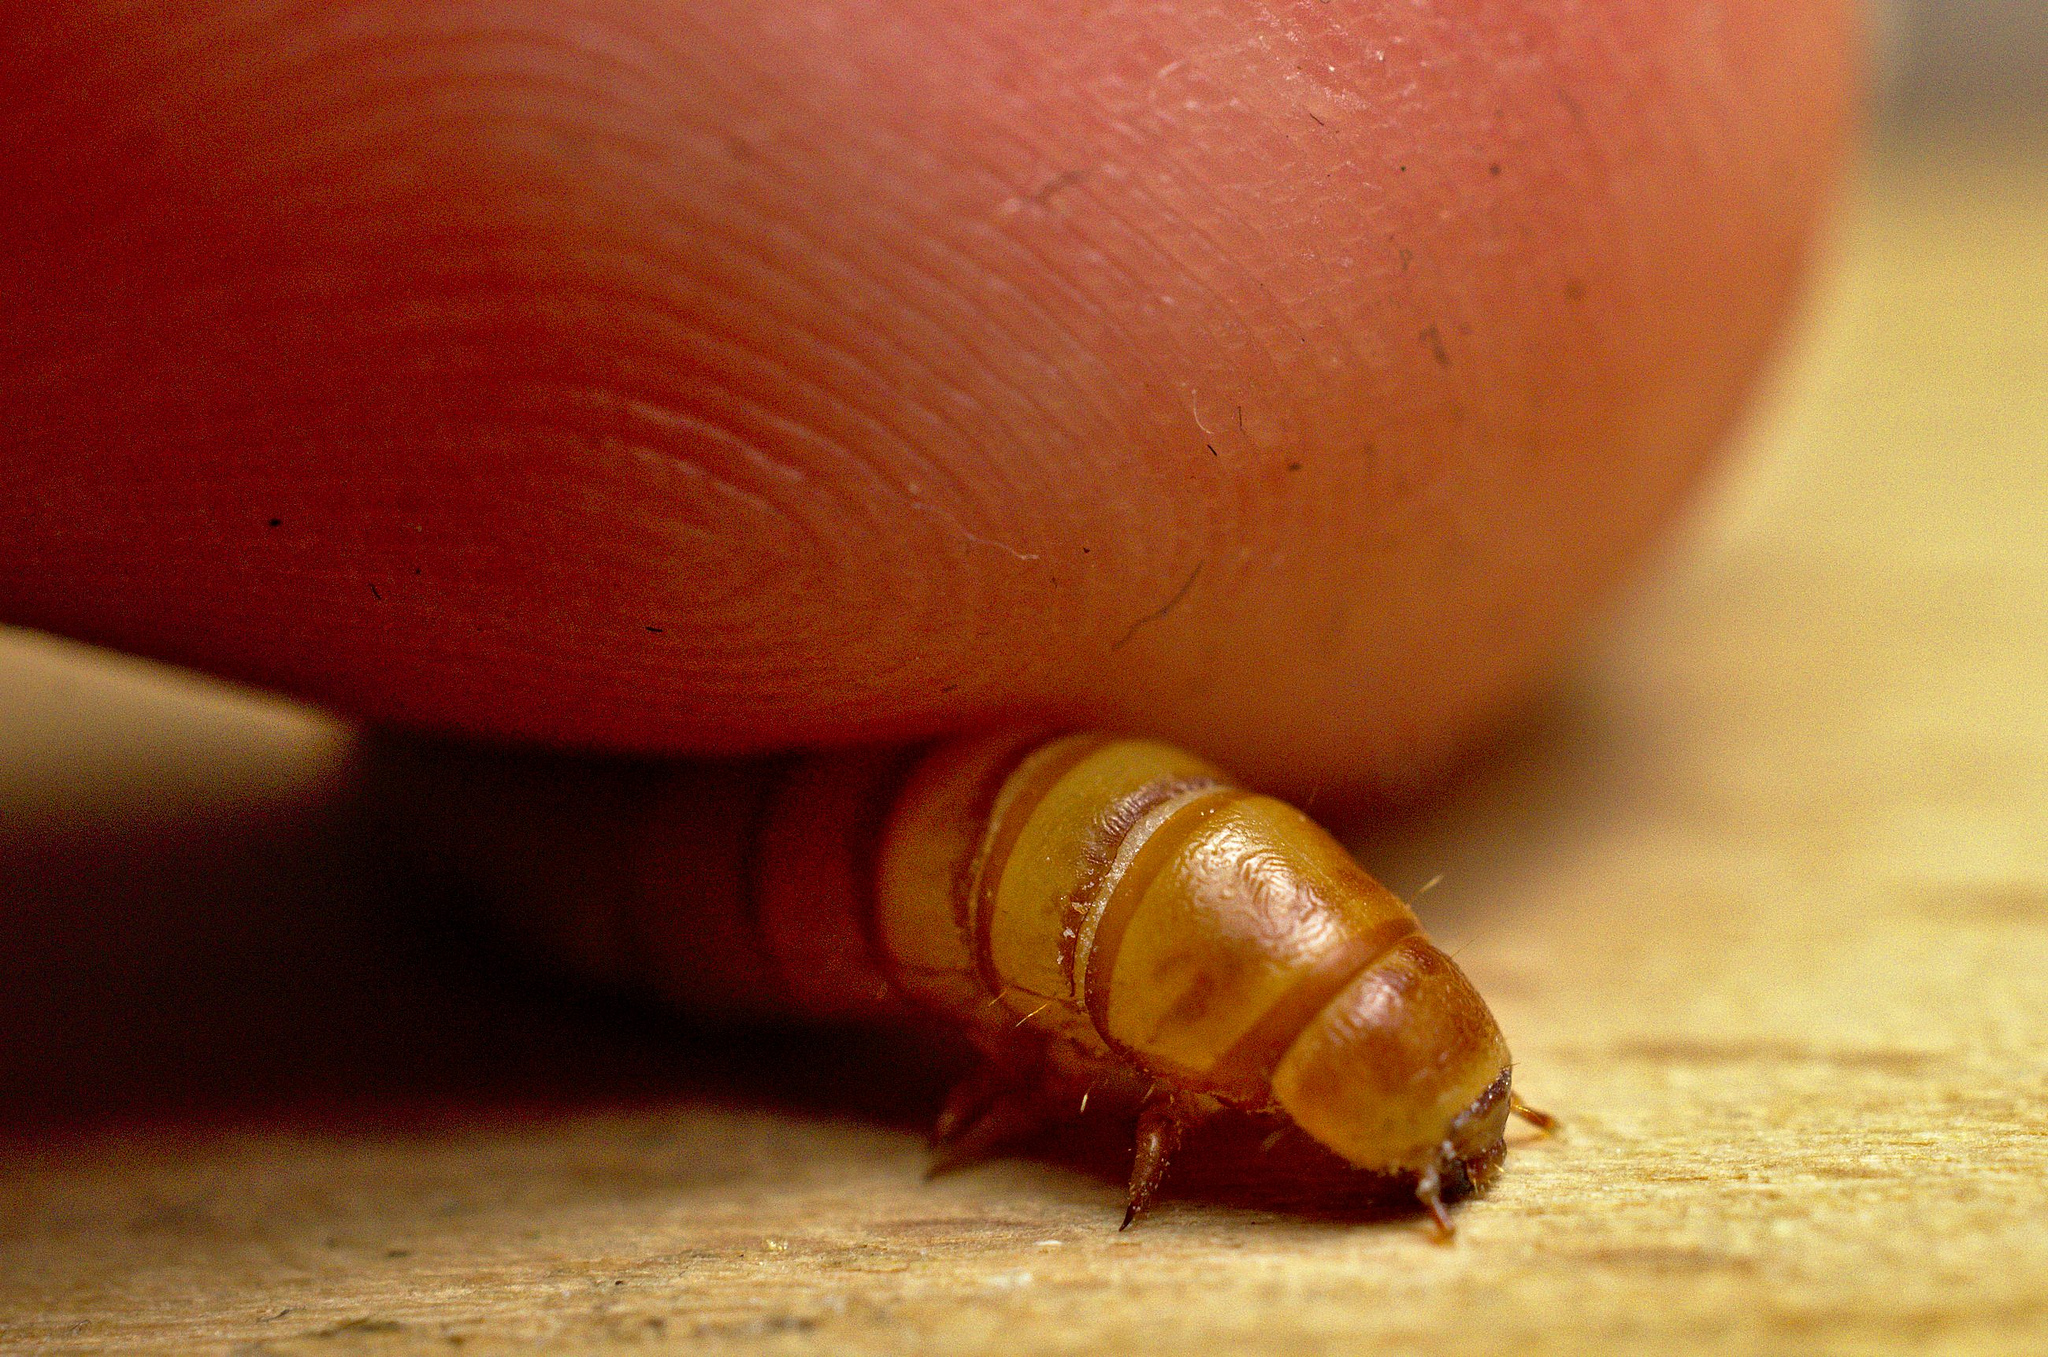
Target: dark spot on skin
[[276, 522], [1407, 258], [1066, 179], [1294, 466], [949, 687], [1494, 169], [1574, 290], [1572, 107], [1163, 609], [1433, 337]]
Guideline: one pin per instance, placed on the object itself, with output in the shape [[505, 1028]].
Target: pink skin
[[1284, 377]]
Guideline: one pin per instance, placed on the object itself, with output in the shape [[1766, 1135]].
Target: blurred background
[[1949, 59], [1853, 629]]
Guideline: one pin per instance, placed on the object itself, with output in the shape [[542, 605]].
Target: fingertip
[[1288, 381]]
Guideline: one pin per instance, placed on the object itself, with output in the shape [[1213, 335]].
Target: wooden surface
[[1761, 900]]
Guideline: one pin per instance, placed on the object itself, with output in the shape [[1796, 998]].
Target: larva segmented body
[[1089, 909]]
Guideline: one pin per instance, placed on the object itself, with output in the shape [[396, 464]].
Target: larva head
[[1404, 1071]]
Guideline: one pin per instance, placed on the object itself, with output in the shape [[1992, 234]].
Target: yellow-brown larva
[[1092, 911]]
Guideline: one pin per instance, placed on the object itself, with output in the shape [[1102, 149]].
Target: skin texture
[[710, 376]]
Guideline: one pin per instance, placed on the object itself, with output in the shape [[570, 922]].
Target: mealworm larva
[[1094, 912]]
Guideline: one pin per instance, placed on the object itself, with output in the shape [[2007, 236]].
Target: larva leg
[[973, 1097], [1010, 1096], [1015, 1114], [1162, 1125], [1429, 1191]]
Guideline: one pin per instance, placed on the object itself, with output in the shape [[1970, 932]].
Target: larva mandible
[[1092, 911]]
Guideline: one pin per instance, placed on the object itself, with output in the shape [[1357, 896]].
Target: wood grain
[[1760, 898]]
